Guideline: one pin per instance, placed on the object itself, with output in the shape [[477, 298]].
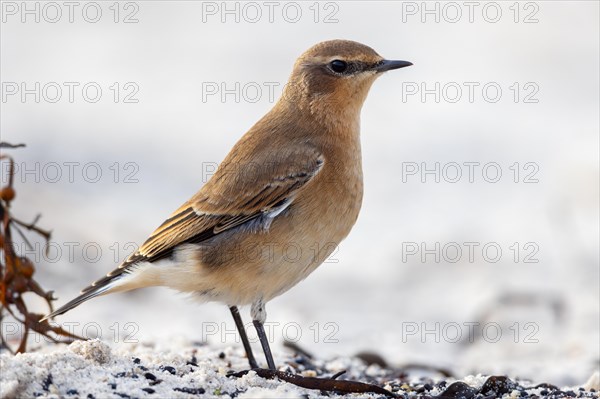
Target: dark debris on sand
[[93, 369]]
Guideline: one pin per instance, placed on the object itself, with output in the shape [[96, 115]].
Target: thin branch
[[323, 384]]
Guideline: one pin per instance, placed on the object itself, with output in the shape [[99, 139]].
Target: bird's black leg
[[265, 343], [240, 326], [259, 315]]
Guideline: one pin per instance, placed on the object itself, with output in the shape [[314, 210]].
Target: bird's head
[[336, 74]]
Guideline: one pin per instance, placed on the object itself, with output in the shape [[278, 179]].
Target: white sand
[[95, 369]]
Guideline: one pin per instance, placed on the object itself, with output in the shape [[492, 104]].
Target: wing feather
[[228, 200], [215, 210]]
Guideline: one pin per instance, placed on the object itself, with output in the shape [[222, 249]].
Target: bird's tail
[[112, 282]]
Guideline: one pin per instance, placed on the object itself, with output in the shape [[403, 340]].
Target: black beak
[[388, 65]]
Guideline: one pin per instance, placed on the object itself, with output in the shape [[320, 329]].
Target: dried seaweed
[[16, 272], [323, 384]]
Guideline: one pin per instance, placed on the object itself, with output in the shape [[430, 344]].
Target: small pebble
[[168, 369], [309, 373], [47, 382], [193, 391], [459, 390]]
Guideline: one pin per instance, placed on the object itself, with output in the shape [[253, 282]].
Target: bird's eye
[[338, 66]]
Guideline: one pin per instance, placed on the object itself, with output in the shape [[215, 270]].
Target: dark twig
[[4, 144], [32, 226], [322, 384], [339, 373]]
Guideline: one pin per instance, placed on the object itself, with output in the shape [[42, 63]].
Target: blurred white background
[[376, 291]]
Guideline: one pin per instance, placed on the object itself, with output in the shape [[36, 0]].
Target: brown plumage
[[284, 197]]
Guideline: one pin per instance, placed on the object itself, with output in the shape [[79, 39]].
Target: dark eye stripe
[[355, 67]]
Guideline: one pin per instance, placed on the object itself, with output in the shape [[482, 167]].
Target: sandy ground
[[95, 369]]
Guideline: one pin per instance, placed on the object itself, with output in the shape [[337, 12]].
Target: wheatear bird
[[284, 197]]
